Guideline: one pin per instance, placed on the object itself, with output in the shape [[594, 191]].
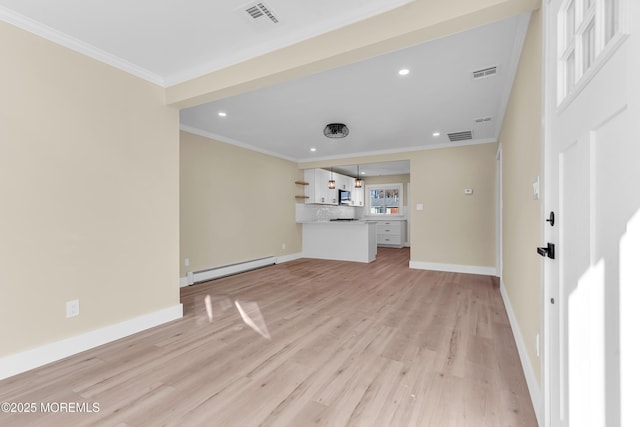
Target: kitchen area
[[348, 212]]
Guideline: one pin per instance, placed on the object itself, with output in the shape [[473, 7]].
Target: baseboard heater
[[228, 270]]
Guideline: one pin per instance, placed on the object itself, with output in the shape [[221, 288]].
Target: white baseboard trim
[[290, 257], [527, 367], [191, 278], [23, 361], [453, 268], [228, 270]]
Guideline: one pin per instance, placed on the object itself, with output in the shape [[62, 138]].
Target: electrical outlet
[[284, 246], [73, 308], [187, 262]]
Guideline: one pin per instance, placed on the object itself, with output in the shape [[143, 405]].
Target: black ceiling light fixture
[[336, 130]]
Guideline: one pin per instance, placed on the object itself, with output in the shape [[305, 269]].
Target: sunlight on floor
[[208, 307], [249, 312], [630, 322], [214, 307], [252, 317], [586, 350]]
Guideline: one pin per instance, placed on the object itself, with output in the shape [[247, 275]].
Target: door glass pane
[[588, 46], [611, 22], [586, 6], [570, 20], [570, 72]]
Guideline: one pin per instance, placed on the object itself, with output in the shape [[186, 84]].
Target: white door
[[592, 184]]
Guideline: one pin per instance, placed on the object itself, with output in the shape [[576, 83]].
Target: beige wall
[[521, 141], [235, 204], [454, 228], [89, 190]]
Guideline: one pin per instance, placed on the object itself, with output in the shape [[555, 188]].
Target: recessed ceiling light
[[403, 72], [436, 134], [313, 149], [222, 114]]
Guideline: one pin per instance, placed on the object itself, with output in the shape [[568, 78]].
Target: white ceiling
[[385, 112], [168, 42]]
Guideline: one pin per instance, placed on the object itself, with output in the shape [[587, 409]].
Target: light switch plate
[[536, 188], [419, 207]]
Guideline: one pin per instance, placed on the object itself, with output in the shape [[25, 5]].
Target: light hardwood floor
[[348, 344]]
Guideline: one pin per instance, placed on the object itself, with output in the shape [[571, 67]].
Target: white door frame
[[499, 211], [408, 214]]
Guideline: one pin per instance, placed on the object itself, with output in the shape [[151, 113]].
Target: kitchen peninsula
[[346, 239]]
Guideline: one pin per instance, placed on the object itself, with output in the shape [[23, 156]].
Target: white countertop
[[326, 221], [367, 220]]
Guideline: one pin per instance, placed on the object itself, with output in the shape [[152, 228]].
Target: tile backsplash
[[307, 213]]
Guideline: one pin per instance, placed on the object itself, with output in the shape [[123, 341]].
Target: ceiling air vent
[[260, 11], [485, 72], [482, 119], [460, 136]]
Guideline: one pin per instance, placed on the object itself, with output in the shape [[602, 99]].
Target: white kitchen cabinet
[[343, 182], [357, 196], [390, 233], [318, 189]]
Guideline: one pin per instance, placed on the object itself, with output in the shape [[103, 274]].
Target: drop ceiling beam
[[414, 23]]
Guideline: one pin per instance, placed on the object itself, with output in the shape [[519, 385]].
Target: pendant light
[[359, 181], [332, 182]]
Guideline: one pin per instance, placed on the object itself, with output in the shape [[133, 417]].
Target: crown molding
[[11, 17], [398, 150], [231, 141], [302, 161]]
